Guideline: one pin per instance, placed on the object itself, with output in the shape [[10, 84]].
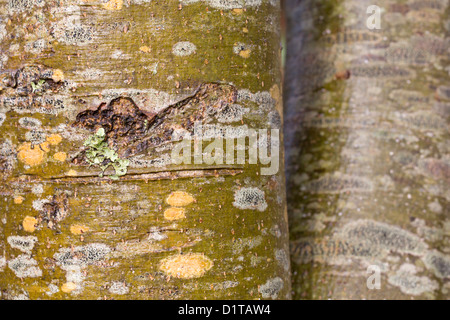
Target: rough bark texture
[[368, 153], [141, 70]]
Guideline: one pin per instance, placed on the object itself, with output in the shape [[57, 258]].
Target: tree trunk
[[95, 99], [367, 152]]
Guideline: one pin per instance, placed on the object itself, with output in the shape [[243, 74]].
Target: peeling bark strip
[[143, 72], [367, 149], [163, 175]]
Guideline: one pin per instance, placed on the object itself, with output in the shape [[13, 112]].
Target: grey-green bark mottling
[[367, 148], [161, 231]]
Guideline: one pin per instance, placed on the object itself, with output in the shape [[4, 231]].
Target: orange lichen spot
[[113, 5], [174, 213], [45, 146], [68, 287], [145, 49], [57, 75], [179, 199], [245, 53], [78, 229], [186, 266], [60, 156], [29, 224], [71, 173], [31, 155], [54, 139], [18, 200]]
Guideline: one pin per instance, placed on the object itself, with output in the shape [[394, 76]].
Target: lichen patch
[[60, 156], [18, 200], [184, 48], [383, 236], [245, 53], [439, 263], [174, 213], [29, 224], [22, 243], [23, 266], [186, 266], [81, 255], [242, 49], [78, 229], [113, 5], [31, 155], [271, 288], [29, 123], [250, 198], [145, 49], [54, 139], [45, 146], [57, 75], [406, 280], [68, 287], [119, 288], [71, 173], [179, 199], [2, 118]]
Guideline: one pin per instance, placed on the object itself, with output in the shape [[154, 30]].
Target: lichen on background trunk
[[367, 152], [87, 84]]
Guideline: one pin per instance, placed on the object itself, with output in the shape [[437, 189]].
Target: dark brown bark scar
[[55, 210], [20, 80], [131, 131]]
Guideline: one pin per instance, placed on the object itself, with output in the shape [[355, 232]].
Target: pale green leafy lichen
[[100, 154], [37, 86]]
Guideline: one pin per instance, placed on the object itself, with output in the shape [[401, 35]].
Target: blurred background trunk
[[147, 229], [367, 148]]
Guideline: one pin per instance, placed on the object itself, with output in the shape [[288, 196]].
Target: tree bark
[[367, 152], [88, 85]]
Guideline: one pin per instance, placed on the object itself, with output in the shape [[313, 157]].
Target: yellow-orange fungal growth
[[54, 139], [245, 53], [31, 155], [78, 229], [186, 266], [29, 224], [68, 287], [174, 213], [18, 200], [179, 199], [113, 5], [145, 49], [58, 75], [60, 156]]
